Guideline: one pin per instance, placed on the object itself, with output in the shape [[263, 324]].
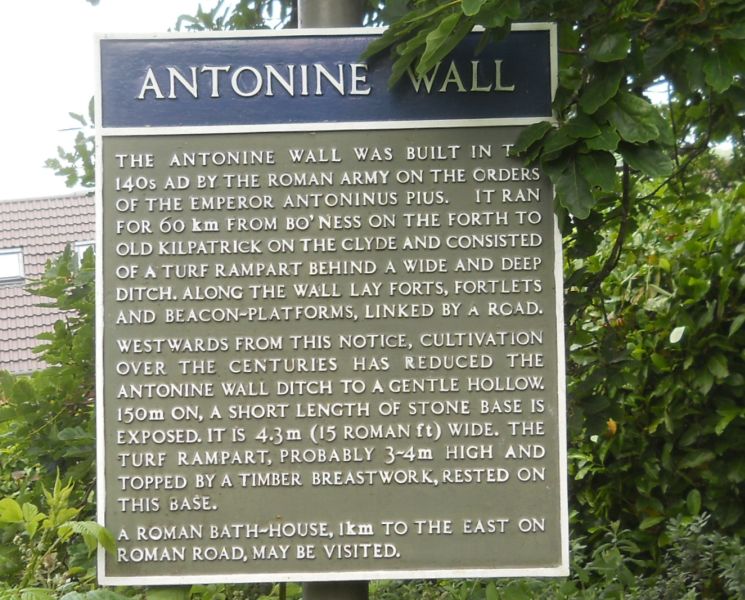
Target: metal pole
[[335, 590], [329, 13], [315, 14]]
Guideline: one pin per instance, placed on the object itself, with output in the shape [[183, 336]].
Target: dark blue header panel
[[258, 80]]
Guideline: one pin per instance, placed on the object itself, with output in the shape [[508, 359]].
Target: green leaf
[[660, 51], [696, 459], [36, 594], [650, 522], [727, 416], [736, 31], [10, 511], [573, 191], [471, 7], [496, 15], [717, 366], [610, 47], [603, 86], [599, 168], [530, 135], [32, 517], [736, 324], [703, 382], [650, 159], [719, 70], [570, 78], [491, 591], [106, 540], [607, 141], [659, 361], [582, 126], [388, 38], [412, 44], [511, 8], [634, 118], [693, 502], [407, 54], [422, 15], [69, 434], [666, 137], [92, 533], [556, 141], [79, 118], [438, 43], [677, 334]]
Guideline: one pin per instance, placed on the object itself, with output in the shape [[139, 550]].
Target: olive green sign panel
[[329, 353]]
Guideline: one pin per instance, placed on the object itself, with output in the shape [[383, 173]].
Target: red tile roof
[[40, 227]]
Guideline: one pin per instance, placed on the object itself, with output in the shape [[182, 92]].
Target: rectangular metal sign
[[329, 328]]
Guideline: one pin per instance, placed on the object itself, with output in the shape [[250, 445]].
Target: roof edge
[[81, 194]]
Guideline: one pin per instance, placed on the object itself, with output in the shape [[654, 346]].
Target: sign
[[329, 321]]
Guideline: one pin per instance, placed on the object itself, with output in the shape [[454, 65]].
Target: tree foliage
[[609, 56], [46, 418], [47, 432], [656, 374], [77, 166], [653, 238], [244, 14]]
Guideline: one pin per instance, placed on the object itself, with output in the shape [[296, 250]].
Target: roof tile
[[41, 227]]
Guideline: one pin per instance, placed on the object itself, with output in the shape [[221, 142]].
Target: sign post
[[329, 13], [329, 323], [332, 13]]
